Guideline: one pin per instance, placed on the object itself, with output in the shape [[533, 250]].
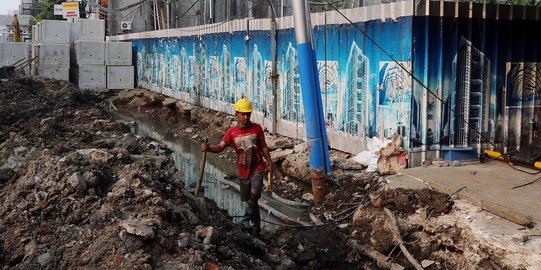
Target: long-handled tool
[[201, 171], [269, 187]]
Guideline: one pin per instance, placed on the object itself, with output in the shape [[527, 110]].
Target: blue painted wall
[[488, 71], [364, 92]]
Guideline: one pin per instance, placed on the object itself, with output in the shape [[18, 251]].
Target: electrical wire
[[184, 13], [447, 106], [224, 22], [526, 184], [507, 159], [351, 211]]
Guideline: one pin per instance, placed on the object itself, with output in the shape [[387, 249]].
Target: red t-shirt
[[247, 144]]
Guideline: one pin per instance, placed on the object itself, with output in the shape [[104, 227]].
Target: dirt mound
[[73, 196], [79, 190]]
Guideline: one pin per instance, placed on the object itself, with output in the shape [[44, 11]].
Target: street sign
[[70, 10], [58, 10]]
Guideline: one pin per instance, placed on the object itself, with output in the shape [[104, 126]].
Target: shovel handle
[[269, 188], [201, 171]]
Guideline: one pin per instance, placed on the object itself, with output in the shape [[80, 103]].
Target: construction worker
[[248, 140]]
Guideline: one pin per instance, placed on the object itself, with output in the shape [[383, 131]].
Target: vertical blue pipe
[[311, 92], [321, 114]]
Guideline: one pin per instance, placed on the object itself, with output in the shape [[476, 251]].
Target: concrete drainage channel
[[218, 183]]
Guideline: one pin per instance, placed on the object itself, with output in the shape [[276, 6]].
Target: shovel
[[200, 201], [201, 171], [269, 187]]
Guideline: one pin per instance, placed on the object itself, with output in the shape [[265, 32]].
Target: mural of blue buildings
[[486, 71]]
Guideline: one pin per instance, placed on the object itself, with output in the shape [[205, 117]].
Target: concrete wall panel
[[90, 52], [91, 77], [120, 77], [118, 53], [53, 31]]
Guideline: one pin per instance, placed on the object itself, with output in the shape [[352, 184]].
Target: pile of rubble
[[79, 190]]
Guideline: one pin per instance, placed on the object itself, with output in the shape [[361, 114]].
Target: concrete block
[[13, 52], [90, 52], [74, 32], [55, 32], [57, 73], [56, 55], [90, 77], [118, 53], [91, 30], [120, 77]]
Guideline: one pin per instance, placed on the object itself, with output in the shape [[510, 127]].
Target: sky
[[7, 5]]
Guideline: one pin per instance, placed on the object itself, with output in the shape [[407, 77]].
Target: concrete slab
[[488, 185], [120, 77]]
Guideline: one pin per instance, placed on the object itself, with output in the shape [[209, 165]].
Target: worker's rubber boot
[[245, 219], [255, 218]]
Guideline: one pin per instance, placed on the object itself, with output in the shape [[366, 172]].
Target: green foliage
[[47, 11]]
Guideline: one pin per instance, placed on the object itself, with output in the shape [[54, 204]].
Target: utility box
[[13, 52], [120, 77], [118, 53], [57, 73], [89, 52], [53, 31], [56, 55], [90, 77], [91, 30]]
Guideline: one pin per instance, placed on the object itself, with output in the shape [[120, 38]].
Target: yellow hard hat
[[243, 105]]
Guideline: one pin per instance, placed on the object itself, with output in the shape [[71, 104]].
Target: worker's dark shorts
[[255, 183]]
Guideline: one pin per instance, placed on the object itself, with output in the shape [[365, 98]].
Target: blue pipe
[[311, 97], [321, 115]]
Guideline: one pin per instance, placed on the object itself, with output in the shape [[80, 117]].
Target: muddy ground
[[79, 191]]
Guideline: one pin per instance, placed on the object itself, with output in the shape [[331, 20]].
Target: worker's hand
[[204, 147], [270, 169]]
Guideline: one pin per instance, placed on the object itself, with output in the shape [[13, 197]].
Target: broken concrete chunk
[[15, 162], [169, 102], [347, 164], [85, 152], [426, 163], [279, 143], [207, 233], [280, 155], [20, 151], [77, 181], [308, 196], [440, 163], [100, 156], [137, 228], [189, 130], [427, 263], [44, 259], [300, 148], [90, 179], [48, 121], [295, 166]]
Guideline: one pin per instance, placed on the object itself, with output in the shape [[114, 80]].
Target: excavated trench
[[219, 179]]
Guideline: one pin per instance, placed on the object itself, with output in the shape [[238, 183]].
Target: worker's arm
[[213, 148], [266, 154]]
